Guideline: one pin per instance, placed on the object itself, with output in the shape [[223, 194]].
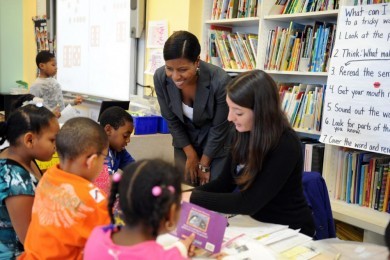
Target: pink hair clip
[[171, 189], [156, 191], [116, 177]]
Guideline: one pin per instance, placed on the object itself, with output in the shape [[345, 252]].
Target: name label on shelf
[[357, 101]]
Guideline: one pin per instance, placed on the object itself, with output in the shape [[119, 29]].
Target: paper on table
[[277, 236], [244, 247], [300, 252], [286, 244], [246, 225]]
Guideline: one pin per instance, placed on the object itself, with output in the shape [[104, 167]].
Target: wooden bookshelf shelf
[[359, 216]]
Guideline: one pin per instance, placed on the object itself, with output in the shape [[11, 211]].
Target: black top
[[275, 196]]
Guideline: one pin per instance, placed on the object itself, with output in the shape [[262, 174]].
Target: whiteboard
[[93, 47]]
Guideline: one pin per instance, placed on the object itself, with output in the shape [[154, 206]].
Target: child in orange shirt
[[67, 205]]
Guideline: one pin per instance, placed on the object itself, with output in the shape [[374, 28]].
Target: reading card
[[208, 226]]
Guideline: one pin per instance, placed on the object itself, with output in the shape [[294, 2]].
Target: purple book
[[208, 226]]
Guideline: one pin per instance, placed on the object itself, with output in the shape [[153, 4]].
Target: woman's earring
[[197, 71]]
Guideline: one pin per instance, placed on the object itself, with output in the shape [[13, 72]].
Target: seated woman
[[267, 160]]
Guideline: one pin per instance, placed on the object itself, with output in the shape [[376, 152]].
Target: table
[[246, 238]]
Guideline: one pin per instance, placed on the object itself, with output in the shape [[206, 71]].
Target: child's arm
[[19, 208]]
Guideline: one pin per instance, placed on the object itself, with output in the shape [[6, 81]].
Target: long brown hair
[[256, 90]]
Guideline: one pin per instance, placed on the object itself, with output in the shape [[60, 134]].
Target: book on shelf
[[385, 207], [360, 178], [303, 6], [245, 45], [294, 32], [231, 50], [300, 47], [307, 42], [208, 226], [231, 9], [313, 152], [383, 188]]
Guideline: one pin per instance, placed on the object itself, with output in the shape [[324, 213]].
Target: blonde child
[[67, 205], [30, 131], [149, 197]]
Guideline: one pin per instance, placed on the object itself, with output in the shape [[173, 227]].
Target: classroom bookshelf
[[266, 19]]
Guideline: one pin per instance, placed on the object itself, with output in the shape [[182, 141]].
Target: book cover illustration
[[208, 226]]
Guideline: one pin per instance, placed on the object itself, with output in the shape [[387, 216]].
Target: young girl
[[149, 196], [30, 131]]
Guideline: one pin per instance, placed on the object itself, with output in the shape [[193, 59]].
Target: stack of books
[[300, 47], [231, 50]]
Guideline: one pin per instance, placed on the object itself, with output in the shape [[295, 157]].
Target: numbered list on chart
[[356, 110]]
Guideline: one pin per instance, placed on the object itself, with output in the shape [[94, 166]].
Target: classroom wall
[[17, 42], [11, 43], [180, 14], [29, 45]]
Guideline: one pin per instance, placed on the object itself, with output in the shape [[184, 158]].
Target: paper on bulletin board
[[156, 60], [157, 34], [357, 101]]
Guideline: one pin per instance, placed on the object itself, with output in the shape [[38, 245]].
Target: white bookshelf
[[237, 22], [370, 220], [365, 218]]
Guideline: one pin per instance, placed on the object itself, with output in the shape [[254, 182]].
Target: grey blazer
[[209, 129]]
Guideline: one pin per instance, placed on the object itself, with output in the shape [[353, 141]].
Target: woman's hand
[[204, 177], [192, 169]]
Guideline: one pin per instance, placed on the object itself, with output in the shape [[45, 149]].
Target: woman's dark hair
[[115, 116], [136, 201], [182, 44], [256, 90], [29, 118]]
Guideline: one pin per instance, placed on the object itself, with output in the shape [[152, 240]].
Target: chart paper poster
[[357, 102]]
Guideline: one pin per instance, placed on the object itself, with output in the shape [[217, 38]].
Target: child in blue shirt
[[118, 125]]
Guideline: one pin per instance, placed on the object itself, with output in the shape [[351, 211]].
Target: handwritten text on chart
[[357, 102]]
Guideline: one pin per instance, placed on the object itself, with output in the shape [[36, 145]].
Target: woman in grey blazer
[[192, 98]]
